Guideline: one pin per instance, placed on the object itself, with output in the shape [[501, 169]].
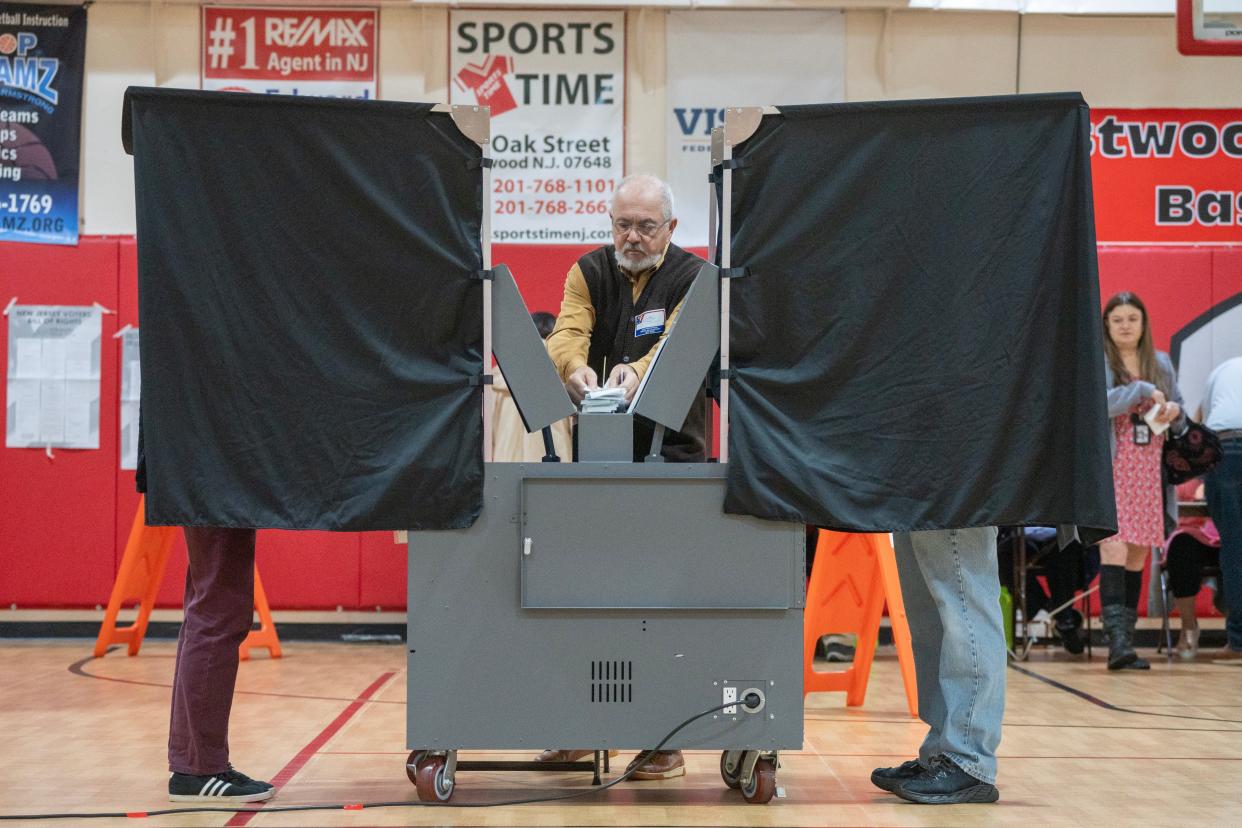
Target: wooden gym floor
[[327, 723]]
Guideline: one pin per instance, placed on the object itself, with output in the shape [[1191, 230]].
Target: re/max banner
[[1167, 175], [42, 57]]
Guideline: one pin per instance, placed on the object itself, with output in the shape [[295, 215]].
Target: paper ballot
[[1150, 417], [603, 401]]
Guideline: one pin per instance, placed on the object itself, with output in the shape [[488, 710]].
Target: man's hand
[[625, 377], [580, 381]]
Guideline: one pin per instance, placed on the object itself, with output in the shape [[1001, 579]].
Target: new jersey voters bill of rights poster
[[555, 82], [53, 381]]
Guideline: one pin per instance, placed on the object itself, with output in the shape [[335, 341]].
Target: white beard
[[645, 263]]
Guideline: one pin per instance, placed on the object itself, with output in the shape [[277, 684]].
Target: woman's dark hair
[[544, 322], [1149, 369]]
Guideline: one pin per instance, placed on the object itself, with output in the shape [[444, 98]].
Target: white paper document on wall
[[739, 58], [131, 393], [52, 392]]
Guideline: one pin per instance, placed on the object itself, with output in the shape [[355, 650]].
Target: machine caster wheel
[[430, 779], [732, 778], [411, 765], [761, 786]]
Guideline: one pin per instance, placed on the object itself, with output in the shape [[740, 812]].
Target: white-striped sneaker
[[229, 786]]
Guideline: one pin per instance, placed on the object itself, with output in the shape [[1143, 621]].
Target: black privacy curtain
[[310, 313], [916, 343]]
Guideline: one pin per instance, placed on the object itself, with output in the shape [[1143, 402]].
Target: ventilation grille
[[612, 682]]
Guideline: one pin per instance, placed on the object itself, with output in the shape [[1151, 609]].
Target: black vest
[[613, 338]]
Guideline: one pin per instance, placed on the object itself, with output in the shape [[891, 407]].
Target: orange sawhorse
[[139, 578], [853, 576]]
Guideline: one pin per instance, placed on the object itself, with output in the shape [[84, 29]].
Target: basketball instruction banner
[[1167, 175], [555, 82], [278, 50], [42, 58]]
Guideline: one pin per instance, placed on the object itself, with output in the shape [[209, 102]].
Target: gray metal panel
[[537, 390], [608, 543], [484, 673], [605, 438], [674, 379]]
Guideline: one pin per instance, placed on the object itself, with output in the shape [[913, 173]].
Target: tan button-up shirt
[[570, 342]]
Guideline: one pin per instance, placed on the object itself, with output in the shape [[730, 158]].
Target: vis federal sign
[[697, 122], [728, 57], [42, 55]]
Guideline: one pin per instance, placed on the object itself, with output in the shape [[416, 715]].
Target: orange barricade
[[854, 575], [265, 635], [139, 578]]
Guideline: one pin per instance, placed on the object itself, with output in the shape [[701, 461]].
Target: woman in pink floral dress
[[1138, 378]]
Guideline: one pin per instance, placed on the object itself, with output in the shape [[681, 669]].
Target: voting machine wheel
[[431, 777], [411, 765], [761, 787], [731, 768]]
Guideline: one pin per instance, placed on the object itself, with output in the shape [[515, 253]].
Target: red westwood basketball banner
[[290, 51], [1167, 175]]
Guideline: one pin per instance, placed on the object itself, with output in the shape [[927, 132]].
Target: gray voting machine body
[[600, 604]]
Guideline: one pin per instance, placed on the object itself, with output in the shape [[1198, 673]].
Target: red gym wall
[[64, 521]]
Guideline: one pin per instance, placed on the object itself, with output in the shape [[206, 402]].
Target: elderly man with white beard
[[620, 301]]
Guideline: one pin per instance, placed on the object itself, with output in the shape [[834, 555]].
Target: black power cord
[[751, 702]]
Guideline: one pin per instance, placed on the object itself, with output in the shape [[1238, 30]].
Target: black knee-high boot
[[1134, 584], [1113, 615]]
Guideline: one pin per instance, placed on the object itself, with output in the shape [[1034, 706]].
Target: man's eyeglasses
[[646, 229]]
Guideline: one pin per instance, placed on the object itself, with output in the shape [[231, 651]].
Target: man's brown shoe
[[1226, 653], [568, 755], [665, 764]]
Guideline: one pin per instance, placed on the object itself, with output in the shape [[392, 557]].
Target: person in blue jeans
[[1222, 412], [951, 590]]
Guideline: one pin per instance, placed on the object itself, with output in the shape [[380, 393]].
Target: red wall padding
[[64, 522], [1176, 284], [58, 516]]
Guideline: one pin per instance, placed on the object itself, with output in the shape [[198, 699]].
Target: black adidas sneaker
[[229, 786]]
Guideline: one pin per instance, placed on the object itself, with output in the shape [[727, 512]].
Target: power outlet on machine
[[729, 695]]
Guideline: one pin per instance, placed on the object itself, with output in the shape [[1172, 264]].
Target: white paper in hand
[[1150, 417]]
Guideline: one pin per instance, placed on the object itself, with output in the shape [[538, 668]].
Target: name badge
[[650, 322], [1142, 431]]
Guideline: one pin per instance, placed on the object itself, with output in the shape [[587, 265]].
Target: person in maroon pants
[[219, 609]]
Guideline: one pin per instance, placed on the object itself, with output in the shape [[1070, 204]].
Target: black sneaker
[[944, 783], [229, 786], [1069, 628], [889, 779]]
